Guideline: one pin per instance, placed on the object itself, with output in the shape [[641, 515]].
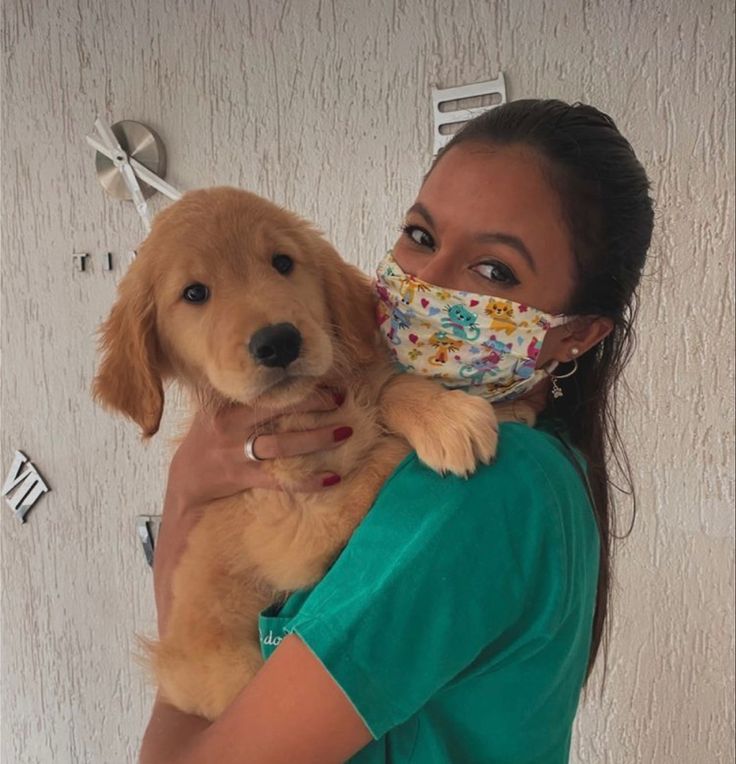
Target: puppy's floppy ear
[[352, 306], [129, 377]]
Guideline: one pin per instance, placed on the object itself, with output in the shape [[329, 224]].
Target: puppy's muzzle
[[276, 345]]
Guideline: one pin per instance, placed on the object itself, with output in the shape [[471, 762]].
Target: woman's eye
[[418, 235], [196, 293], [282, 263], [498, 272]]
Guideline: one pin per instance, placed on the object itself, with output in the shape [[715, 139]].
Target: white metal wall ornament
[[455, 112], [147, 527], [29, 486], [118, 168], [80, 261]]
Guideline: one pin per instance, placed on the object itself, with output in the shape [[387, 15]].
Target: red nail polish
[[341, 433], [331, 480]]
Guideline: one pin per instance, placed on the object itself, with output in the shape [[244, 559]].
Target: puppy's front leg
[[449, 429]]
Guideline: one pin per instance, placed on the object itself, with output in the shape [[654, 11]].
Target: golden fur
[[250, 550]]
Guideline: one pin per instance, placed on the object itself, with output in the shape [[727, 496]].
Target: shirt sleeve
[[440, 569]]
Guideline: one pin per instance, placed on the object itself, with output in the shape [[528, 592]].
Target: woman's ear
[[129, 377], [352, 307], [581, 334]]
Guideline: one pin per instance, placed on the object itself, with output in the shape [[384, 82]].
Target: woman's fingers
[[260, 478], [211, 463], [233, 422], [285, 444]]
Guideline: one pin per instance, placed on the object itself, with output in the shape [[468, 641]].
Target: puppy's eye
[[282, 263], [196, 293]]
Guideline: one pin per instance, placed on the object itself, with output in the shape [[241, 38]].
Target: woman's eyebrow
[[512, 241], [419, 208], [485, 238]]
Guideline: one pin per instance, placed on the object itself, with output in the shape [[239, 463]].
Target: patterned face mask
[[484, 345]]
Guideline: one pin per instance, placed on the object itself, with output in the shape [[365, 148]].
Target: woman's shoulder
[[530, 461], [516, 525], [545, 447], [531, 496]]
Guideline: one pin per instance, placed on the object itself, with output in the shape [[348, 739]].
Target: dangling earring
[[556, 389]]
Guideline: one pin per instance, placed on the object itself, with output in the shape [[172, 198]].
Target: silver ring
[[248, 447]]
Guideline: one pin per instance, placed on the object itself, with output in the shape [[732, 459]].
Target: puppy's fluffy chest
[[348, 455], [289, 537]]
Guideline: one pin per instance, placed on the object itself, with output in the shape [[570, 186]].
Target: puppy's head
[[240, 300]]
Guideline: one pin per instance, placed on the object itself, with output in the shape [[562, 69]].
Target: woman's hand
[[210, 464]]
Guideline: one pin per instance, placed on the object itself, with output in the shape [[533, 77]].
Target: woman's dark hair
[[604, 192]]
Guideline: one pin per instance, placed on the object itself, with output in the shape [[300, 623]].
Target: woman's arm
[[292, 712], [170, 733]]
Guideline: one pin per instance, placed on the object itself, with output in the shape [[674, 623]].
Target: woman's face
[[486, 220]]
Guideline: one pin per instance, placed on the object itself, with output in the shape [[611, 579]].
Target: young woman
[[464, 616]]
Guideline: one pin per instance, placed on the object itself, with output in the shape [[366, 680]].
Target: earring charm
[[556, 389]]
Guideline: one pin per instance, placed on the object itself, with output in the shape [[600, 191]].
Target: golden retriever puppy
[[243, 302]]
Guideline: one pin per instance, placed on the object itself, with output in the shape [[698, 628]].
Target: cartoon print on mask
[[498, 349], [478, 368], [533, 349], [383, 294], [444, 345], [383, 316], [525, 368], [382, 313], [409, 288], [399, 320], [502, 315], [462, 322], [415, 352], [491, 350]]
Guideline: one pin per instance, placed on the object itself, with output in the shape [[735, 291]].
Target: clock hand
[[120, 160], [140, 170], [153, 180]]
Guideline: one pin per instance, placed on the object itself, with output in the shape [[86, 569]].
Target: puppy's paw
[[461, 431]]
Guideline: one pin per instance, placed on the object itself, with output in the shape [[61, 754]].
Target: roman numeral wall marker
[[23, 489]]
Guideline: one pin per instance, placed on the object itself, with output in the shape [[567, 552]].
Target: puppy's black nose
[[276, 345]]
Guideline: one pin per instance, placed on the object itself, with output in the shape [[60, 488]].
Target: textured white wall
[[325, 107]]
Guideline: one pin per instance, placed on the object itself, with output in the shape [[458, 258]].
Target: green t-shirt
[[457, 619]]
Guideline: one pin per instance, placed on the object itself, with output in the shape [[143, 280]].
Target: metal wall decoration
[[84, 262], [125, 152], [80, 261], [146, 527], [449, 109], [27, 487]]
